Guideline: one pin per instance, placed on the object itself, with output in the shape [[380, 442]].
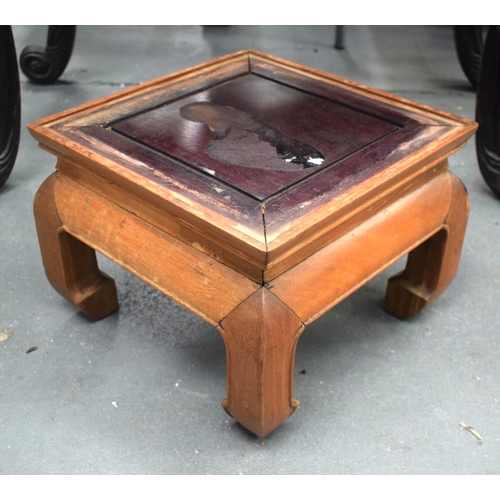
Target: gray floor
[[140, 392]]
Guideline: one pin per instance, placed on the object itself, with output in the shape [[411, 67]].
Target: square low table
[[257, 193]]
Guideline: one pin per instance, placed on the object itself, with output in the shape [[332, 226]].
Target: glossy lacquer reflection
[[242, 140]]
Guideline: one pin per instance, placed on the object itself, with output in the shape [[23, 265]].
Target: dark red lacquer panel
[[255, 134]]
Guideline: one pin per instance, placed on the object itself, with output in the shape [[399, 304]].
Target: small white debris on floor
[[471, 430], [6, 334]]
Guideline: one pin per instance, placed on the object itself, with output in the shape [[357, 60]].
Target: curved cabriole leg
[[260, 336], [45, 65], [70, 265], [432, 265], [488, 112], [10, 104]]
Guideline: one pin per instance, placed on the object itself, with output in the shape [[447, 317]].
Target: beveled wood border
[[276, 234]]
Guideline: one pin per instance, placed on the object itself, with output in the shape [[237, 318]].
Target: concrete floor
[[139, 392]]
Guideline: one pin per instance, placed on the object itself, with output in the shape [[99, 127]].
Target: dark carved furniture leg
[[488, 112], [339, 38], [469, 47], [45, 65], [10, 104]]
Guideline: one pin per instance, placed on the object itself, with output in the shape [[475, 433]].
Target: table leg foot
[[261, 336], [432, 265], [71, 265]]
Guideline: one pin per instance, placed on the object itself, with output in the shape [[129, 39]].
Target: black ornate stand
[[10, 104], [41, 65], [46, 64], [488, 111]]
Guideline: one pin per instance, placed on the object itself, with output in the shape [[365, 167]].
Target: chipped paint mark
[[211, 172], [218, 190], [197, 246], [315, 161]]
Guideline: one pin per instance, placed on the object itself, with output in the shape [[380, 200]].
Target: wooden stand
[[202, 185]]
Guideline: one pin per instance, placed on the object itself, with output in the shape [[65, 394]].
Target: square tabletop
[[264, 155]]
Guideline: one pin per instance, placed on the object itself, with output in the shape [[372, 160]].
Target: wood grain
[[390, 106], [340, 268], [432, 265], [228, 214], [200, 233], [314, 202], [208, 288], [70, 265], [261, 336], [349, 212], [152, 93]]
